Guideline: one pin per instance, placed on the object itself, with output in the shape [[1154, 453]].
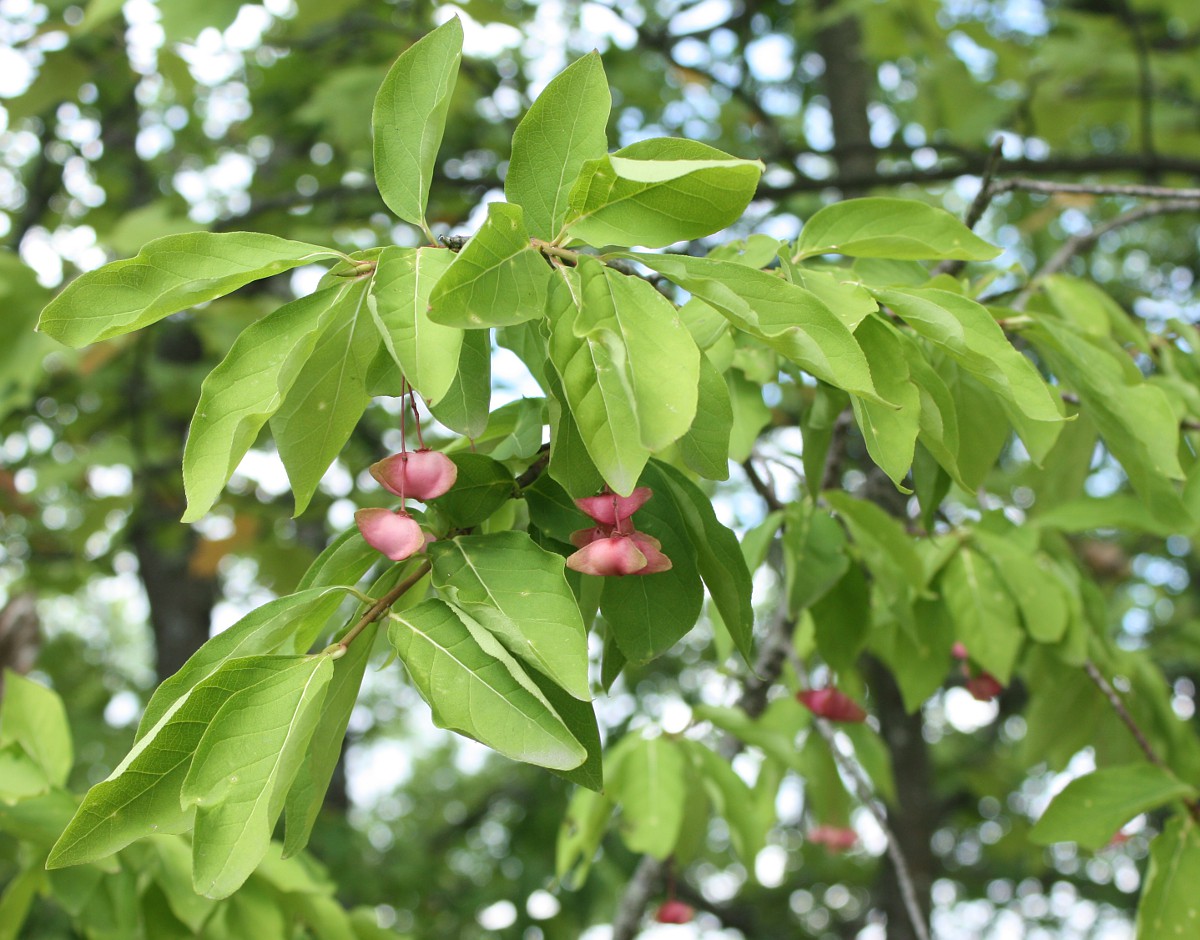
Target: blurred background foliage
[[122, 122]]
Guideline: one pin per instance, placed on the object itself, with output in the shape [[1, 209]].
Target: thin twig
[[979, 204], [1078, 244], [862, 789], [381, 606], [1134, 190], [1127, 719], [761, 486]]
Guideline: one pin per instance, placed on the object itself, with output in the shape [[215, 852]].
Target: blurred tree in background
[[1068, 133]]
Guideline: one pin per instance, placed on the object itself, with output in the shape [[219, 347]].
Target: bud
[[984, 686], [421, 474], [616, 555], [396, 534], [831, 704], [834, 838], [674, 912], [610, 509]]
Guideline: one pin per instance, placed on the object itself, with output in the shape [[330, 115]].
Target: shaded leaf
[[901, 229]]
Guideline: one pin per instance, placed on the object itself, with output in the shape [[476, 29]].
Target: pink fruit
[[674, 912], [582, 537], [396, 534], [651, 547], [959, 650], [834, 838], [609, 509], [421, 474], [984, 686], [831, 704], [615, 555]]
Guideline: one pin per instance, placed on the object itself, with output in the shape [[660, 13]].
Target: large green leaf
[[498, 279], [482, 486], [649, 779], [659, 191], [244, 766], [814, 550], [629, 368], [889, 431], [1134, 418], [705, 447], [561, 130], [791, 320], [307, 794], [938, 415], [266, 629], [1039, 592], [141, 796], [476, 688], [732, 799], [1093, 807], [890, 228], [426, 352], [328, 396], [409, 118], [884, 546], [519, 592], [972, 338], [34, 718], [719, 558], [168, 275], [246, 389], [464, 407], [985, 617], [579, 835], [1168, 906]]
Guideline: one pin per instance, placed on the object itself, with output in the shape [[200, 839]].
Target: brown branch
[[1134, 190], [383, 605], [979, 204]]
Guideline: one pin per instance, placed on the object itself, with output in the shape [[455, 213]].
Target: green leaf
[[731, 797], [985, 617], [1031, 579], [884, 546], [141, 796], [1168, 907], [519, 593], [648, 778], [659, 191], [889, 432], [579, 835], [409, 118], [788, 318], [34, 717], [476, 688], [561, 130], [848, 299], [307, 793], [16, 901], [1092, 808], [464, 407], [244, 766], [570, 463], [937, 414], [814, 550], [265, 630], [1134, 418], [498, 279], [483, 486], [705, 447], [972, 338], [719, 558], [168, 275], [580, 719], [328, 395], [246, 389], [21, 777], [629, 368], [344, 561], [902, 229], [426, 352]]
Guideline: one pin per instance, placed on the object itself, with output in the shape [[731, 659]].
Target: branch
[[1134, 190], [862, 789], [979, 204], [1078, 244], [973, 164], [1127, 719]]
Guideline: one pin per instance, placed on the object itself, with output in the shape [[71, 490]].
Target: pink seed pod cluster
[[831, 704], [422, 474], [835, 838], [614, 546], [674, 912]]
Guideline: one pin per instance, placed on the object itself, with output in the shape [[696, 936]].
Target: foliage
[[942, 447]]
